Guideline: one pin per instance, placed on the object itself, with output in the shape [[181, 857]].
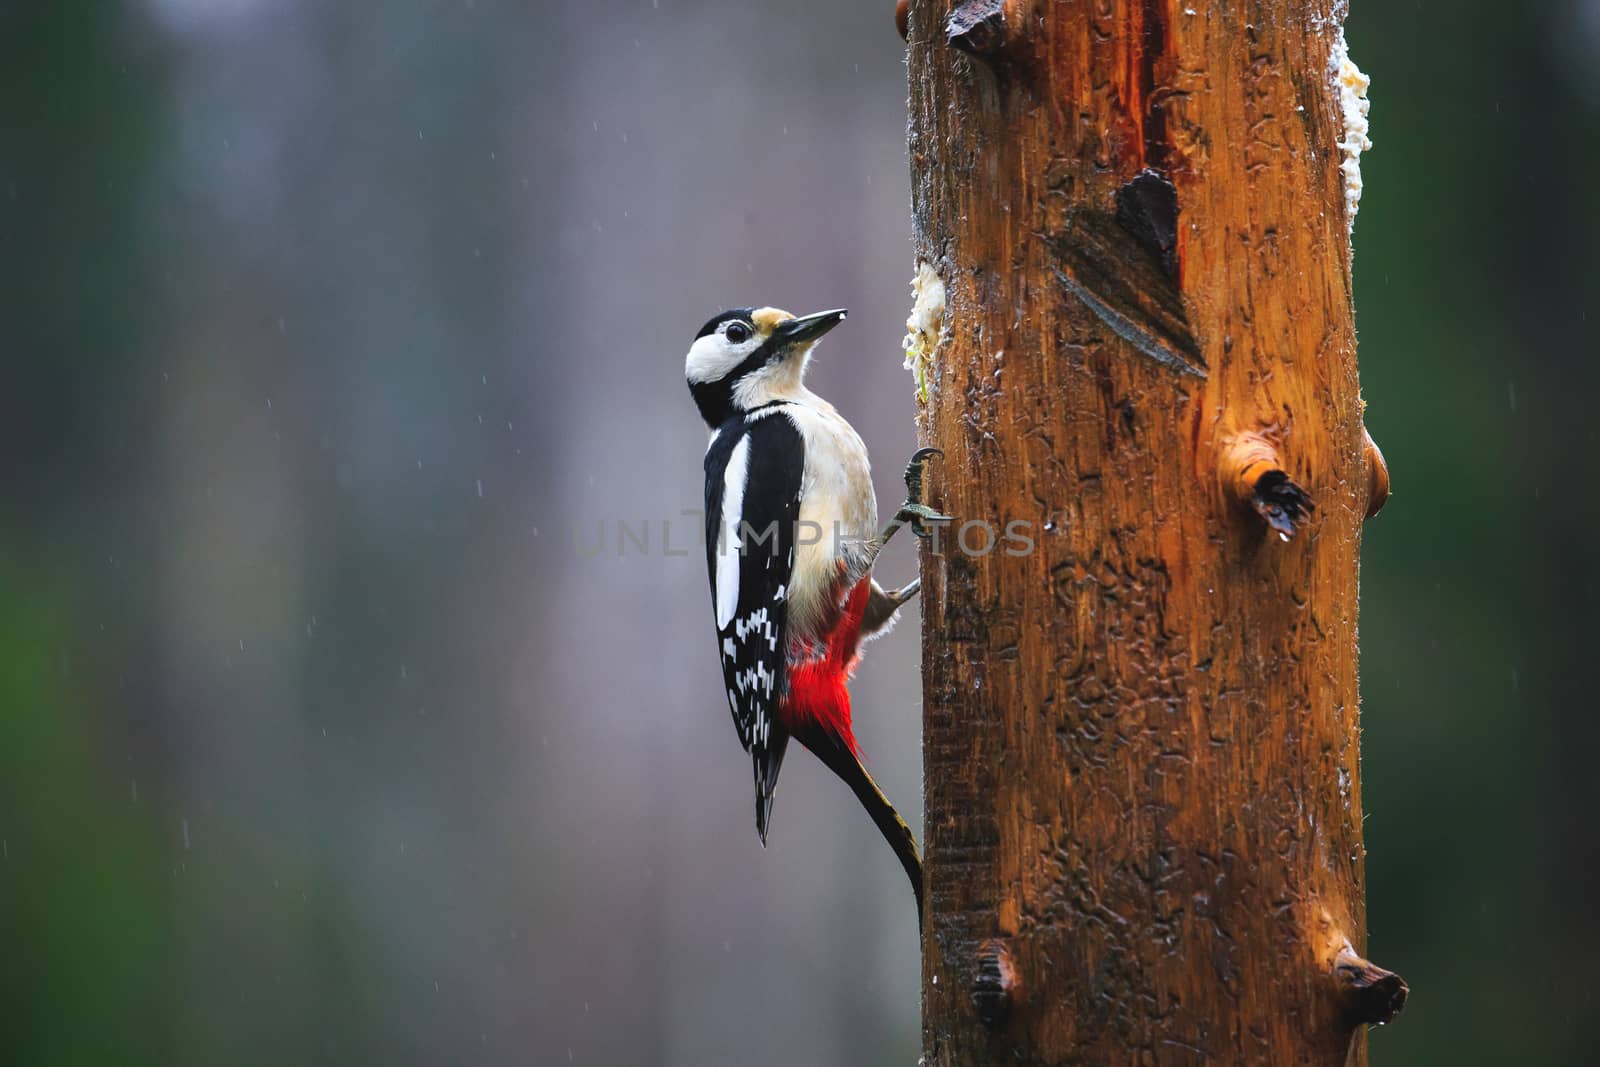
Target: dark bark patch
[[995, 984], [1147, 207]]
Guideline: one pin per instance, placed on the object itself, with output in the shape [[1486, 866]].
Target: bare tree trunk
[[1143, 800]]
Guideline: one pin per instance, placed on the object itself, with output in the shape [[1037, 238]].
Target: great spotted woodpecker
[[791, 537]]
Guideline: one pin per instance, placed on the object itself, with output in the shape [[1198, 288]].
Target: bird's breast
[[838, 520]]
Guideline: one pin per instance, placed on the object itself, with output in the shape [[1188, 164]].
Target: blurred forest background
[[327, 327]]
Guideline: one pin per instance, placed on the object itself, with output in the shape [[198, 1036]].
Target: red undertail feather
[[817, 691]]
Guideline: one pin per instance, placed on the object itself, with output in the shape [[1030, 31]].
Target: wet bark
[[1143, 798]]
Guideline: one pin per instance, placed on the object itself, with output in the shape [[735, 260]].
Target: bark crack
[[1124, 327]]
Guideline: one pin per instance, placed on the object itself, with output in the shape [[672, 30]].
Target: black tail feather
[[768, 760], [839, 759]]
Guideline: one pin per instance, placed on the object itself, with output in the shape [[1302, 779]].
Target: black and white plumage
[[790, 513], [754, 471], [791, 537]]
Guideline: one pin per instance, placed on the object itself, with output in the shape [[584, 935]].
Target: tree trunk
[[1143, 800]]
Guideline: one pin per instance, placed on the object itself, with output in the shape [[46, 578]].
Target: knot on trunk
[[1377, 475]]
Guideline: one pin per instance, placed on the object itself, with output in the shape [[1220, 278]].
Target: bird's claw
[[919, 459], [914, 513]]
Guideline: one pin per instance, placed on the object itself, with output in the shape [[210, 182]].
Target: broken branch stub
[[995, 33], [1252, 474], [1371, 995], [977, 27]]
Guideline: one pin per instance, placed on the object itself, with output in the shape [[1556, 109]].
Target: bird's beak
[[806, 329]]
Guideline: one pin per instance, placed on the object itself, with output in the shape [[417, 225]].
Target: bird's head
[[747, 357]]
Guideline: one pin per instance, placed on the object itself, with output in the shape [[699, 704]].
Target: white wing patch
[[728, 544]]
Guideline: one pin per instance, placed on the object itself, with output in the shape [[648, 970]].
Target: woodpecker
[[791, 538]]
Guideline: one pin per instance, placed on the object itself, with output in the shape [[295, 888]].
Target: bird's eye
[[738, 333]]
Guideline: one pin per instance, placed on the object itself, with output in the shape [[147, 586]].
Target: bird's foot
[[913, 512], [882, 604]]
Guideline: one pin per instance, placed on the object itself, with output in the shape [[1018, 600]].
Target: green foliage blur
[[1476, 274]]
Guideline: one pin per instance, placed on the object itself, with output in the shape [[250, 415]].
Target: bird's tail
[[768, 760], [840, 759]]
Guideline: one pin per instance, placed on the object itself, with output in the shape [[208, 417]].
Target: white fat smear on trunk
[[924, 326], [1352, 86]]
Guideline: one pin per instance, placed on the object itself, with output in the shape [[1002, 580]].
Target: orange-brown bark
[[1143, 800]]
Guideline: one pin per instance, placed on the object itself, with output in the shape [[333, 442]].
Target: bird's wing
[[754, 473]]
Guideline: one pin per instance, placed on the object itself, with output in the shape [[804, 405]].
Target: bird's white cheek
[[711, 359]]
